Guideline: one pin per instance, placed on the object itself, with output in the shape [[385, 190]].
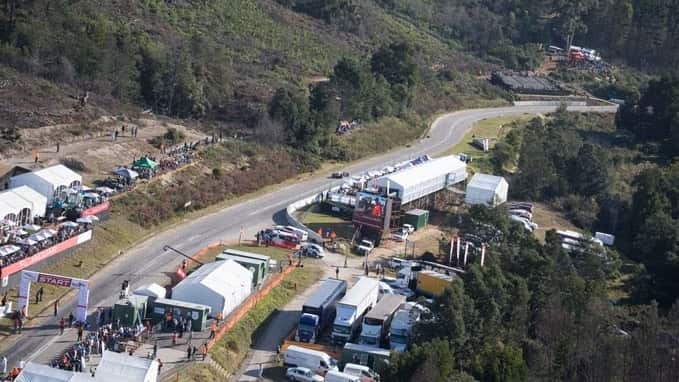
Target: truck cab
[[307, 329]]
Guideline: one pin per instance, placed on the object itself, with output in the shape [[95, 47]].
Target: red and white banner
[[28, 277], [99, 208], [46, 278], [45, 254]]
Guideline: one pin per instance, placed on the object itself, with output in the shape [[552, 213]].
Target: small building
[[419, 181], [21, 205], [250, 255], [366, 355], [50, 182], [163, 307], [417, 218], [7, 171], [222, 285], [255, 266], [131, 310], [487, 189]]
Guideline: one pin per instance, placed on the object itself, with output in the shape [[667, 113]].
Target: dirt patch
[[548, 218], [426, 240]]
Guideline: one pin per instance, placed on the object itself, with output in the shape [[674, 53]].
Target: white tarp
[[424, 179], [221, 285], [150, 290], [34, 372], [13, 201], [48, 180], [487, 189]]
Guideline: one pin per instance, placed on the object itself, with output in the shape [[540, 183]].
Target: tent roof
[[145, 163], [150, 290], [485, 182], [34, 372], [428, 170], [16, 199], [58, 175], [220, 276], [123, 367]]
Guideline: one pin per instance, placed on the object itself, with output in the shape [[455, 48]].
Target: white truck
[[402, 327], [350, 309], [316, 361], [376, 322]]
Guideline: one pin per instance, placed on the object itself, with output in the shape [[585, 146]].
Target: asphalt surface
[[148, 261]]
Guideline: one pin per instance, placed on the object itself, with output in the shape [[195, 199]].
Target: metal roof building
[[419, 181], [487, 189], [22, 204]]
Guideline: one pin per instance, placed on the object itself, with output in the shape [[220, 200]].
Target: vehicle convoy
[[358, 300], [319, 310], [302, 374], [402, 326], [431, 283], [316, 361], [375, 326]]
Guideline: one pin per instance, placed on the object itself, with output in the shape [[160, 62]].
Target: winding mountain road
[[148, 261]]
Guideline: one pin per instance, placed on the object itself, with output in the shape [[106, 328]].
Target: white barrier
[[296, 206], [550, 103]]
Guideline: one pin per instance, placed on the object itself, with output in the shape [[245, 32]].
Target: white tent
[[34, 372], [116, 367], [50, 181], [21, 204], [487, 189], [427, 178], [150, 290], [221, 285]]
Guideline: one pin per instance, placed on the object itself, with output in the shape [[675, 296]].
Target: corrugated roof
[[421, 173], [485, 181], [417, 212]]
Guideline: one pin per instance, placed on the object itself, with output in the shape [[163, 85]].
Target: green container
[[196, 312], [255, 266], [373, 357], [250, 255], [131, 311], [417, 218]]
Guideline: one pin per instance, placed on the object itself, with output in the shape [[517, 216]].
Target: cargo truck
[[358, 300], [430, 283], [319, 310], [375, 326]]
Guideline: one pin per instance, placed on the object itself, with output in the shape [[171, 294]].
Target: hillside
[[218, 61]]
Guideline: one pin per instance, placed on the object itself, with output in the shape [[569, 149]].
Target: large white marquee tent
[[21, 205], [49, 181], [221, 285], [487, 189], [427, 178]]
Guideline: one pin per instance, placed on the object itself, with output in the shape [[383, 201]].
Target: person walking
[[80, 333], [337, 273], [204, 351], [213, 330], [70, 320], [188, 352], [194, 350], [41, 292], [155, 349], [37, 296], [56, 307], [58, 147], [36, 156], [160, 365], [62, 323]]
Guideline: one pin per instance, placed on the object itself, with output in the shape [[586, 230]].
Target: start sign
[[54, 280]]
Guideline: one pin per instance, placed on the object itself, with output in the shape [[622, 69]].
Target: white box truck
[[316, 361], [350, 309], [376, 322]]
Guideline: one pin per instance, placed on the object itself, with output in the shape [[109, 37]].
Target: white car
[[400, 235], [365, 247], [409, 228], [312, 250], [302, 374]]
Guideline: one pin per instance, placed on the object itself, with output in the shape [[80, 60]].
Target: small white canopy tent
[[487, 189], [50, 181], [21, 205], [221, 285], [150, 290], [424, 179]]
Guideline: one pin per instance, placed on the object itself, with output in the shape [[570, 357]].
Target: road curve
[[148, 261]]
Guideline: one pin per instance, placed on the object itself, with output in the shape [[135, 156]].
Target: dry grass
[[548, 218]]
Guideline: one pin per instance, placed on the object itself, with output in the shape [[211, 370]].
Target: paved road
[[147, 261]]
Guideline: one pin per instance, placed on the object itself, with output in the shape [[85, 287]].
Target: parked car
[[302, 374], [336, 376], [409, 228], [364, 372], [317, 361], [365, 247], [312, 250]]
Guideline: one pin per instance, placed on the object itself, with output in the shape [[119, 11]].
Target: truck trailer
[[376, 322], [358, 300], [319, 310]]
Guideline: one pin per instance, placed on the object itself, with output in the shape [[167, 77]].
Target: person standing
[[213, 330], [160, 365], [155, 349], [337, 273], [203, 351], [58, 147], [70, 320], [56, 307], [194, 350], [62, 323], [188, 352], [41, 292], [80, 333]]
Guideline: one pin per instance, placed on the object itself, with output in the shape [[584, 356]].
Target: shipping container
[[416, 218], [174, 308], [430, 283], [130, 311]]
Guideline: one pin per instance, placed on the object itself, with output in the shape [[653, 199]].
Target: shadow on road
[[270, 333]]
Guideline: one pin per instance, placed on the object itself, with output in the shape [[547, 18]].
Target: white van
[[317, 361], [361, 371], [336, 376]]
